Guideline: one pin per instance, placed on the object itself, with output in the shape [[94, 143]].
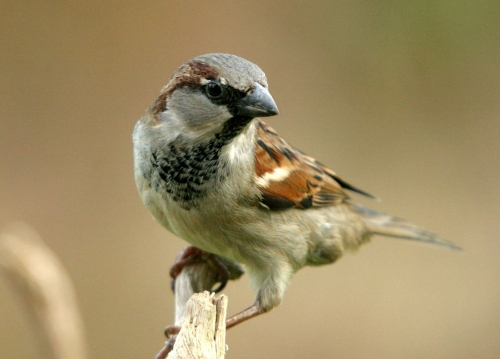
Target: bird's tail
[[385, 225]]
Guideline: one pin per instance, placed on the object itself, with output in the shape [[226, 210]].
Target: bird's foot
[[192, 255], [172, 330]]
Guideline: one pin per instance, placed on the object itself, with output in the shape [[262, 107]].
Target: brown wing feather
[[288, 178]]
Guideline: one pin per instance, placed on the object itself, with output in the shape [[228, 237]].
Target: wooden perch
[[197, 278], [42, 283], [203, 329]]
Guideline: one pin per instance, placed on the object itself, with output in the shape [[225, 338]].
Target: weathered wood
[[203, 329], [197, 278]]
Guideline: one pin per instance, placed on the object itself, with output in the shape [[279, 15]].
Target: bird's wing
[[289, 178]]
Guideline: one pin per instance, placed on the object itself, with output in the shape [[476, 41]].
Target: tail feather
[[386, 225]]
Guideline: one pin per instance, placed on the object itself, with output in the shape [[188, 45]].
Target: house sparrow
[[215, 175]]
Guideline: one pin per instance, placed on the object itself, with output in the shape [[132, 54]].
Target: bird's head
[[207, 91]]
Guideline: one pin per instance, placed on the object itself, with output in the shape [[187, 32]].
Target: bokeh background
[[400, 98]]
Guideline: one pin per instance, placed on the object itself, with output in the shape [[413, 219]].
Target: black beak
[[259, 103]]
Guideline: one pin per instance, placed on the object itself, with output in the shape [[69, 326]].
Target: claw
[[171, 330], [192, 255]]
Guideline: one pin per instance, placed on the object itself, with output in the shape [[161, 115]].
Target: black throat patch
[[186, 174]]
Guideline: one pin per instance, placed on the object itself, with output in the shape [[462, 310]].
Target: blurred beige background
[[400, 98]]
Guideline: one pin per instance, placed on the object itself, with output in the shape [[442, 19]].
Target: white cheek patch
[[170, 125], [279, 174]]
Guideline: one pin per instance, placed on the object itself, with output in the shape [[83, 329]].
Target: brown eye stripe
[[189, 74], [160, 103]]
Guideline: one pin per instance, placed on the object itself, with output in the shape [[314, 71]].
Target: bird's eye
[[214, 89]]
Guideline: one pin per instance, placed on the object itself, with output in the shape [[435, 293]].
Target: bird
[[214, 174]]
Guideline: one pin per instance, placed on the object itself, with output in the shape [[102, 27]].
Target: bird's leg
[[186, 257], [269, 296], [223, 272], [244, 315], [224, 269], [207, 270], [169, 345], [172, 330], [191, 255], [250, 312]]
